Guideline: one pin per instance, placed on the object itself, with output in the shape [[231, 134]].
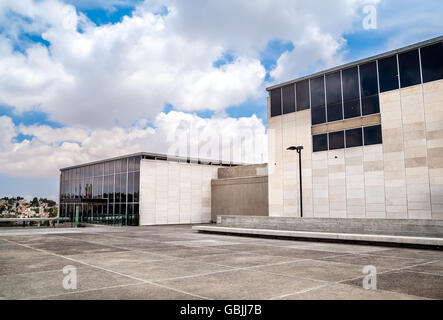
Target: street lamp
[[299, 149]]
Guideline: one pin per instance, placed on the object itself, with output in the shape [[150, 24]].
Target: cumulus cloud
[[96, 76], [174, 133]]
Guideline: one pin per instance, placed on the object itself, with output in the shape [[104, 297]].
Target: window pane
[[320, 142], [368, 79], [275, 102], [336, 140], [370, 105], [352, 108], [288, 99], [131, 164], [137, 163], [136, 186], [409, 68], [333, 88], [123, 187], [354, 138], [350, 84], [317, 92], [388, 74], [131, 187], [432, 62], [335, 112], [372, 135], [318, 115], [302, 91]]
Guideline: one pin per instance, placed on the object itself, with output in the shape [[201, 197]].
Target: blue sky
[[66, 87]]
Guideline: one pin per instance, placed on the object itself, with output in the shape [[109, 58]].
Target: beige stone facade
[[402, 178], [175, 192]]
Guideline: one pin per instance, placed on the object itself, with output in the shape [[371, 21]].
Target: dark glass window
[[352, 108], [370, 105], [336, 140], [131, 187], [335, 112], [432, 62], [354, 138], [137, 163], [409, 68], [317, 92], [131, 164], [372, 135], [136, 186], [123, 187], [275, 102], [320, 142], [288, 99], [333, 88], [302, 91], [388, 74], [368, 79], [350, 84], [318, 115], [333, 97]]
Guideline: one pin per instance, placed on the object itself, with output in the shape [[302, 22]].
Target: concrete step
[[375, 238], [392, 227]]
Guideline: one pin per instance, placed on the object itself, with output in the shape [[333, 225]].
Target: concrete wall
[[399, 179], [241, 190], [174, 192]]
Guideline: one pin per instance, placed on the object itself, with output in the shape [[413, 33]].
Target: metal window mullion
[[295, 98], [342, 97], [398, 71], [378, 77], [281, 100], [326, 102], [419, 61], [359, 91]]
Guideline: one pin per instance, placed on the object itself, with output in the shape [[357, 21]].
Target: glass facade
[[354, 92], [103, 193]]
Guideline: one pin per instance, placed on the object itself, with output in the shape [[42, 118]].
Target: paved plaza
[[175, 262]]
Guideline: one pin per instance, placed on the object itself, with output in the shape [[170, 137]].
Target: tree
[[34, 202], [53, 212]]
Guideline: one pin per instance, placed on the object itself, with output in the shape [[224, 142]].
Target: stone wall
[[399, 179], [241, 190], [175, 193]]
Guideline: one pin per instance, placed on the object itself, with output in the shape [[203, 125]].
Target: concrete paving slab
[[433, 267], [348, 292], [168, 269], [242, 284], [412, 253], [34, 263], [317, 270], [295, 253], [376, 260], [409, 282], [242, 259], [35, 285], [131, 292]]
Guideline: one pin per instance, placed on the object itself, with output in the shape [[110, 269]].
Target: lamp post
[[299, 149]]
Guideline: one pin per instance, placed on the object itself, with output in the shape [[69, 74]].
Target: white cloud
[[53, 148], [96, 76]]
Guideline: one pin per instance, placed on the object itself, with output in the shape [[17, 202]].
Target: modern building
[[372, 132], [139, 189]]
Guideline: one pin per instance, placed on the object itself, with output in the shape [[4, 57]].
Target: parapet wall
[[398, 227], [240, 191]]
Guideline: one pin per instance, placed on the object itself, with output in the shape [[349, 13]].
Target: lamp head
[[298, 148]]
